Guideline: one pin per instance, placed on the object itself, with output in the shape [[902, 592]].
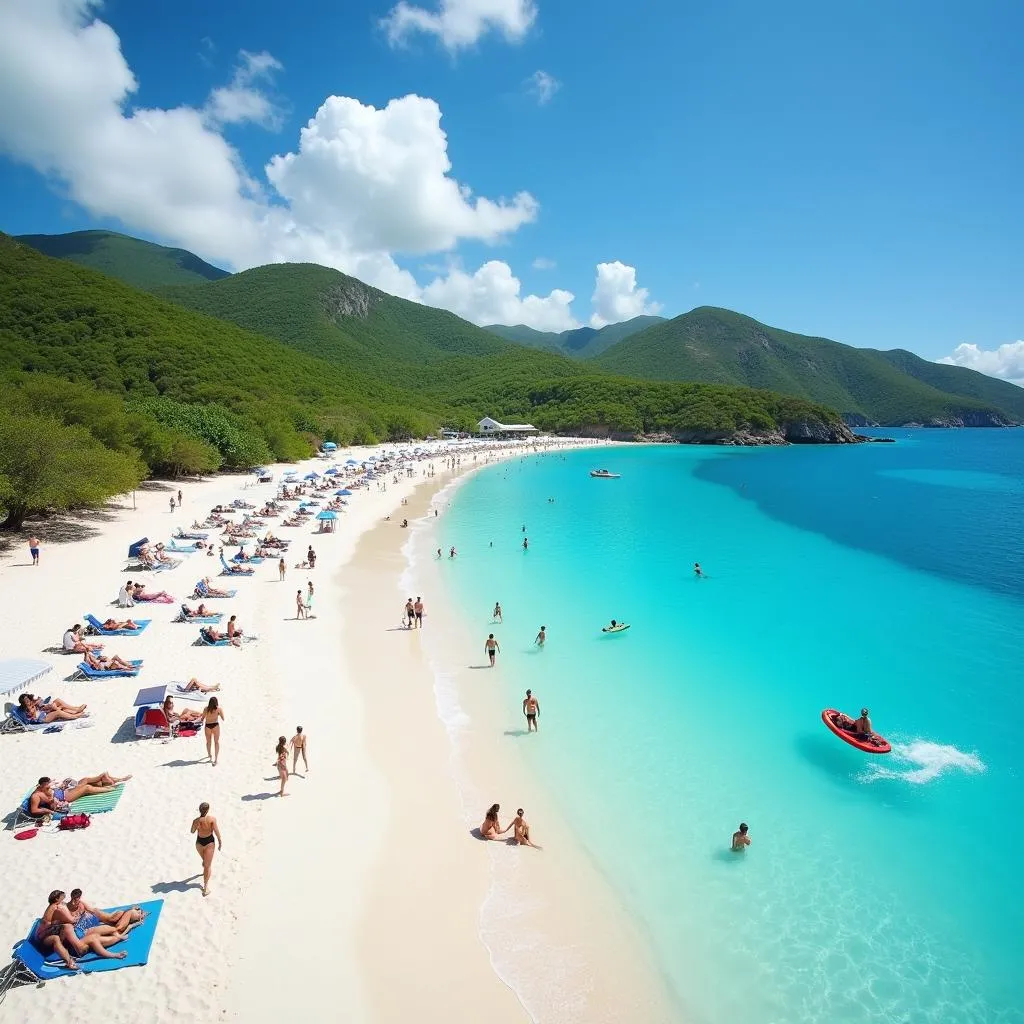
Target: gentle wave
[[931, 761]]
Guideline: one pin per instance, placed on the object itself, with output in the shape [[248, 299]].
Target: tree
[[45, 465]]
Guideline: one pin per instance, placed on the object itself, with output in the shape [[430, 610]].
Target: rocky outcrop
[[350, 298], [971, 418], [856, 419]]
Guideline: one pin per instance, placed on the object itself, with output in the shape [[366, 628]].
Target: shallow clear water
[[889, 576]]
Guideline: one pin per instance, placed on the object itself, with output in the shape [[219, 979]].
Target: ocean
[[887, 576]]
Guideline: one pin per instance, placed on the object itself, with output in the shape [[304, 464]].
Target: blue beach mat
[[137, 946]]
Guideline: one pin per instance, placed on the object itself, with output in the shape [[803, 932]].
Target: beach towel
[[46, 966], [226, 571], [201, 591], [100, 631], [206, 641], [98, 803]]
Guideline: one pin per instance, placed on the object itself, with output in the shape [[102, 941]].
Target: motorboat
[[603, 474]]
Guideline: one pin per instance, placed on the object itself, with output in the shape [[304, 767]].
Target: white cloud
[[542, 86], [243, 100], [543, 263], [1006, 362], [491, 296], [460, 23], [616, 295]]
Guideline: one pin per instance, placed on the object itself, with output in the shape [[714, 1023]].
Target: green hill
[[720, 346], [583, 342], [142, 264]]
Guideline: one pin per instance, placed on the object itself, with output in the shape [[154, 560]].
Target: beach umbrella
[[135, 549], [17, 673], [344, 491], [351, 462], [311, 476], [329, 446], [150, 695], [332, 471], [327, 514]]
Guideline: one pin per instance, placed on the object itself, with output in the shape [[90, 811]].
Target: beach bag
[[72, 821], [91, 631]]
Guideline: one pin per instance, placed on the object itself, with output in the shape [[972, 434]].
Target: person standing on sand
[[531, 708], [418, 609], [311, 557], [410, 614], [541, 637], [740, 839], [213, 715], [300, 607], [299, 746], [179, 498], [282, 762], [33, 549], [281, 567], [496, 617], [309, 599], [172, 504], [492, 647], [206, 830]]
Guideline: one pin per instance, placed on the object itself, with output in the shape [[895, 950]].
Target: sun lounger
[[187, 550], [205, 641], [32, 965], [98, 626], [86, 671], [227, 571], [203, 620]]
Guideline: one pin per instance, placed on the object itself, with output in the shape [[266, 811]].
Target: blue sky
[[848, 171]]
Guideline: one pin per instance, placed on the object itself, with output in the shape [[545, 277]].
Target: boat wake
[[921, 761]]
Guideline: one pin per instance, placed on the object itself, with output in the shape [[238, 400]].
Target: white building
[[489, 426]]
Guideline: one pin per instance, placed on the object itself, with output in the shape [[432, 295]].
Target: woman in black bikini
[[205, 828], [213, 715], [282, 762]]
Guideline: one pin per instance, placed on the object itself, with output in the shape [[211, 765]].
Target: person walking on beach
[[418, 609], [300, 606], [309, 600], [311, 557], [206, 831], [33, 549], [410, 614], [213, 715], [541, 637], [531, 708], [740, 839], [282, 762], [492, 647], [172, 504], [281, 567], [496, 617], [299, 746], [180, 503]]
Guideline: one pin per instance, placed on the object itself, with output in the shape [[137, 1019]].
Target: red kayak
[[873, 744]]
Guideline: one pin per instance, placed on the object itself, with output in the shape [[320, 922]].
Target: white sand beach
[[359, 895]]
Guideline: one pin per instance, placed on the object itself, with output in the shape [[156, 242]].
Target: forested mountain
[[583, 342], [142, 264], [720, 346]]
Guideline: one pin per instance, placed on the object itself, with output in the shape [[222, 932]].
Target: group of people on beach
[[76, 928], [519, 827]]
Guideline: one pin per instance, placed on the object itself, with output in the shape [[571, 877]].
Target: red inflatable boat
[[873, 744]]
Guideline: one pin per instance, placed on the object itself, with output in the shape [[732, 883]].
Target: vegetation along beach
[[510, 510]]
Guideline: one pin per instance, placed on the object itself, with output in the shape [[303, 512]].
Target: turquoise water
[[890, 576]]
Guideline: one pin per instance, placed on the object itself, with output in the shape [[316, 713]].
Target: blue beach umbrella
[[327, 514], [311, 476], [136, 548], [345, 492], [329, 446], [332, 471]]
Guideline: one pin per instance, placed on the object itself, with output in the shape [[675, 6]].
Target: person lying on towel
[[50, 798], [112, 664], [110, 624]]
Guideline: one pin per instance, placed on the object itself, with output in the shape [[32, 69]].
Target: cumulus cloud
[[460, 23], [1006, 362], [542, 87], [616, 295], [491, 296], [543, 263], [244, 99]]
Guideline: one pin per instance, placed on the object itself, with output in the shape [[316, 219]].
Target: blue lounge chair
[[98, 626], [201, 592], [17, 721], [254, 560], [187, 550], [86, 671], [180, 534], [32, 965], [227, 570], [205, 641], [203, 620]]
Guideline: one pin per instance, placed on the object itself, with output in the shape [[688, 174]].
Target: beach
[[362, 890]]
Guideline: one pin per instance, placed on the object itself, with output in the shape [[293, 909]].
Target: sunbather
[[139, 593], [48, 798], [199, 612], [74, 644], [213, 636], [194, 686], [236, 570], [88, 920], [234, 632], [56, 933], [112, 624], [205, 589], [111, 664], [185, 715], [54, 711]]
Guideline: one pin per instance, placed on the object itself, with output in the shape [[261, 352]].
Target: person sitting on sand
[[112, 664], [54, 711], [48, 798], [206, 589], [55, 932], [194, 686], [112, 624], [88, 920], [491, 827], [740, 839], [185, 715], [139, 593], [126, 596], [74, 644], [521, 830], [234, 631]]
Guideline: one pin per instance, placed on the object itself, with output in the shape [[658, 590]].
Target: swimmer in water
[[541, 636], [526, 543], [531, 708], [740, 839], [497, 612], [698, 571]]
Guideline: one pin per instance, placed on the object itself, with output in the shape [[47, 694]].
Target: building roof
[[495, 425]]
